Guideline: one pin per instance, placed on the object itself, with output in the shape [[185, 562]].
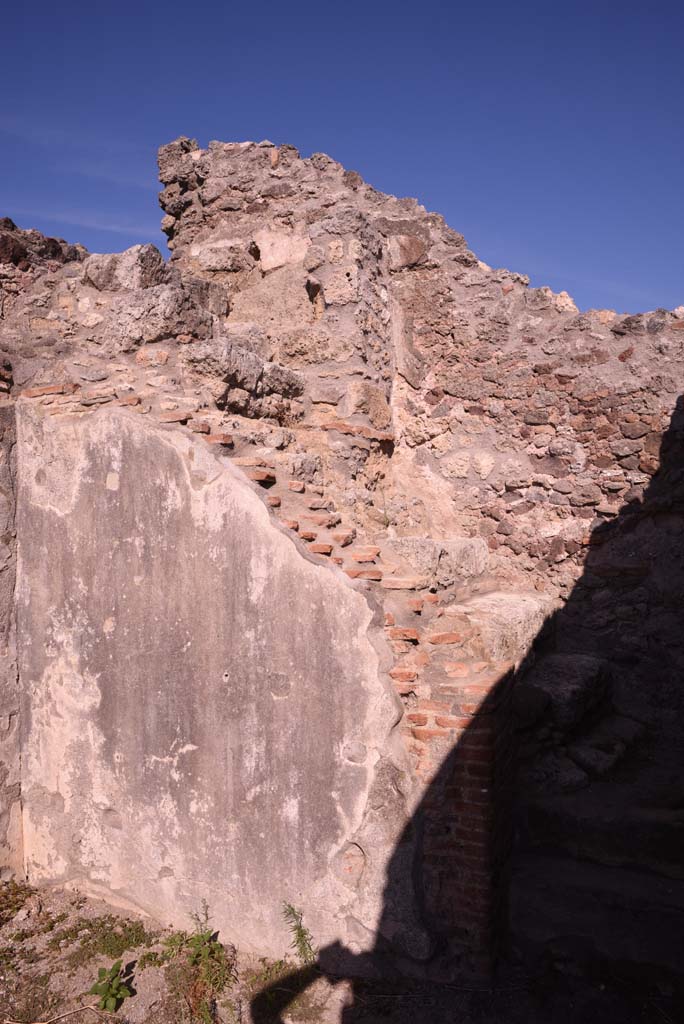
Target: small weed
[[269, 982], [271, 971], [100, 936], [302, 939], [278, 985], [199, 968], [111, 987], [43, 925], [150, 959], [8, 956], [175, 944], [13, 896]]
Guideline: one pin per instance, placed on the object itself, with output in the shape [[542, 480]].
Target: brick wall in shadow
[[546, 858]]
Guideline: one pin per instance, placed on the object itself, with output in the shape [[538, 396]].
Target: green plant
[[107, 935], [270, 971], [150, 959], [13, 896], [199, 967], [111, 987], [302, 939]]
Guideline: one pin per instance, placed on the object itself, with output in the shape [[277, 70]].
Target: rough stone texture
[[521, 418], [487, 479]]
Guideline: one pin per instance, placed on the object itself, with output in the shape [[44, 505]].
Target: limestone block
[[141, 266], [342, 286], [507, 622], [277, 248], [406, 251]]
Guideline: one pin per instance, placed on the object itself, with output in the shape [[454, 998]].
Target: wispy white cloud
[[97, 170], [53, 136], [79, 219], [99, 158]]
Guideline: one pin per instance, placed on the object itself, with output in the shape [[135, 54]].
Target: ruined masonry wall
[[443, 449]]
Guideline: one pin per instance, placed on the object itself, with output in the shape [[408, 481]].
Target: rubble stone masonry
[[348, 574]]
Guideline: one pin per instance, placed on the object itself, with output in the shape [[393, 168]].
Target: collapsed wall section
[[514, 417]]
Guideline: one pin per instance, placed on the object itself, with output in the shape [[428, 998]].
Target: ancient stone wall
[[424, 516], [519, 419]]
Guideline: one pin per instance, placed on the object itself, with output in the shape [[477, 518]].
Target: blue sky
[[550, 134]]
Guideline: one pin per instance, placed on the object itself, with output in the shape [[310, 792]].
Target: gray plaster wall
[[204, 712]]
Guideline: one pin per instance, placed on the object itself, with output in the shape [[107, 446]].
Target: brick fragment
[[425, 735], [357, 430], [49, 389], [449, 722], [224, 439], [261, 476], [296, 485], [324, 520], [457, 669], [370, 574], [446, 638], [417, 718], [364, 554], [273, 501], [403, 675], [344, 537], [89, 398], [175, 416], [308, 534], [321, 549], [257, 461], [479, 689], [397, 633], [434, 705], [404, 582]]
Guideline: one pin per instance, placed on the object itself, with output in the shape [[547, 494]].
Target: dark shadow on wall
[[584, 909]]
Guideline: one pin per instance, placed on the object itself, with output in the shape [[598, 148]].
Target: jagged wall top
[[299, 297]]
